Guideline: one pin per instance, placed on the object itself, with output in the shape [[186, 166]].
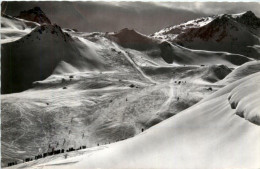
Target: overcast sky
[[145, 17]]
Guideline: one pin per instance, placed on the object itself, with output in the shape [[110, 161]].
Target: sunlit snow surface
[[208, 132]]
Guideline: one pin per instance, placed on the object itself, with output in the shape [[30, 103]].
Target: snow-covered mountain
[[237, 33], [61, 51], [68, 88], [35, 56]]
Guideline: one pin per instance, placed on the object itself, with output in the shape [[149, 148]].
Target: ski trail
[[83, 40], [136, 66], [166, 104], [12, 143]]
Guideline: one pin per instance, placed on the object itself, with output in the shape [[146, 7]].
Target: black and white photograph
[[130, 84]]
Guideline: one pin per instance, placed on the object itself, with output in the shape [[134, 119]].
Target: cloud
[[213, 8], [145, 17]]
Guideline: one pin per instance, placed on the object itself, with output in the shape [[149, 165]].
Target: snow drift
[[241, 72], [245, 100]]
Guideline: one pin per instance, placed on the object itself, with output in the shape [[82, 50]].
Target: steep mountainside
[[237, 33]]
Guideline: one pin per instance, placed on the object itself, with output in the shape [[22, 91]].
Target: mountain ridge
[[234, 33]]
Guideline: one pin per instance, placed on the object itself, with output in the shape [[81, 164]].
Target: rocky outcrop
[[35, 15]]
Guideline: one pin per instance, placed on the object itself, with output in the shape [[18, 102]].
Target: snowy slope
[[199, 74], [13, 28], [207, 135], [178, 54], [35, 56], [245, 100], [103, 107], [172, 53]]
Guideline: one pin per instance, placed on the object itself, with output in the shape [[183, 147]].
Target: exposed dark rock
[[35, 15]]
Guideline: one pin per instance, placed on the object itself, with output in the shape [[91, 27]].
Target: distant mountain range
[[237, 34]]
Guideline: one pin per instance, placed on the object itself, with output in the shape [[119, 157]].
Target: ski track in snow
[[135, 66], [166, 104]]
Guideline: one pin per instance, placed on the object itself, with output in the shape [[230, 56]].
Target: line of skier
[[53, 152]]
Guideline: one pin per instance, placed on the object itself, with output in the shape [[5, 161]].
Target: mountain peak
[[36, 15], [53, 30], [249, 14], [249, 19], [127, 30], [130, 33], [129, 38]]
